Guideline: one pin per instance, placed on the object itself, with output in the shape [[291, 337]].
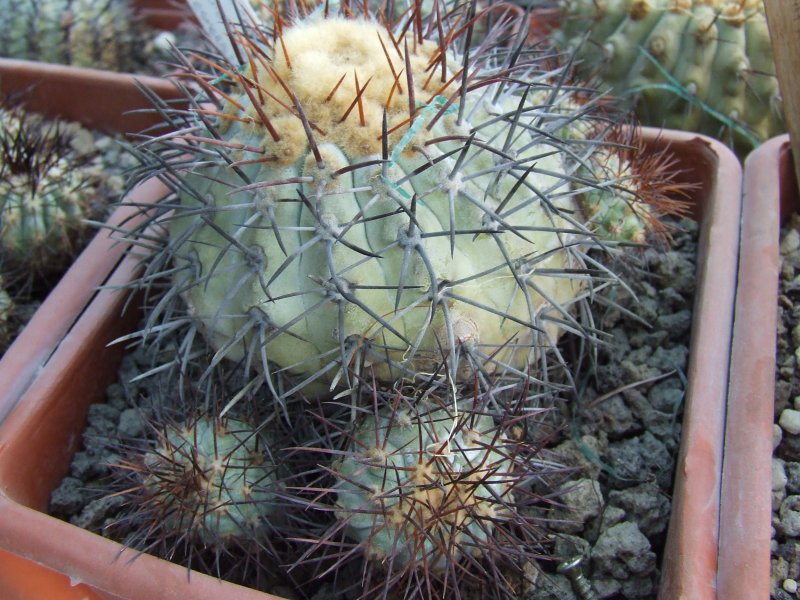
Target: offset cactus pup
[[53, 413]]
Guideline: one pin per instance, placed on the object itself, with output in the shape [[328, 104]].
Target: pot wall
[[52, 413], [770, 194], [61, 91]]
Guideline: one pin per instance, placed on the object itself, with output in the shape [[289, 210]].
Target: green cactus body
[[209, 478], [698, 65], [45, 193], [424, 487], [101, 34], [309, 239]]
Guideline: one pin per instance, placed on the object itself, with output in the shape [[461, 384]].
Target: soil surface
[[786, 436], [621, 437]]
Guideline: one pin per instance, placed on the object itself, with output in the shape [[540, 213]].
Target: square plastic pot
[[770, 196], [39, 438]]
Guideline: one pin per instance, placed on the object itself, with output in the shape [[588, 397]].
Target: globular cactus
[[45, 193], [103, 34], [696, 65], [423, 486], [354, 199], [432, 496], [208, 480]]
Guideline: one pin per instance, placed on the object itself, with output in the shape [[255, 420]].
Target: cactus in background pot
[[47, 190], [353, 199], [102, 34], [695, 65]]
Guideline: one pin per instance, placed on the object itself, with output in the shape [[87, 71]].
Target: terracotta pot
[[770, 196], [61, 91], [103, 101], [52, 414], [163, 14]]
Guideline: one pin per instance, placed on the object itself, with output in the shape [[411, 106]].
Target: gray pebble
[[779, 477], [67, 498], [793, 477], [777, 435], [645, 504], [790, 516], [623, 551], [581, 500], [131, 423]]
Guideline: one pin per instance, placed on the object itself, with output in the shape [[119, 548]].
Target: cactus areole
[[358, 199]]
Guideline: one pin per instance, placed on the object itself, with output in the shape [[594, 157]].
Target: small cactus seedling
[[696, 65], [358, 198], [207, 479], [433, 496], [46, 193], [102, 34]]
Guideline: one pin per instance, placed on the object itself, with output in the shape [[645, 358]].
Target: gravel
[[786, 460]]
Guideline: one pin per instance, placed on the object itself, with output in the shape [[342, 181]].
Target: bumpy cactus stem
[[46, 192], [208, 479], [103, 34], [696, 65], [434, 494], [360, 199]]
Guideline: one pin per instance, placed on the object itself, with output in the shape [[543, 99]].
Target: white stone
[[777, 435], [779, 478], [790, 585], [790, 242], [790, 421]]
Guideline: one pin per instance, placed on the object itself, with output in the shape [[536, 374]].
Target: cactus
[[423, 486], [357, 199], [41, 205], [207, 479], [431, 496], [102, 34], [696, 65], [47, 190]]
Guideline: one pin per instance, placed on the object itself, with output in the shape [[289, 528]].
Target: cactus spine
[[363, 199], [206, 478], [696, 65], [46, 191]]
